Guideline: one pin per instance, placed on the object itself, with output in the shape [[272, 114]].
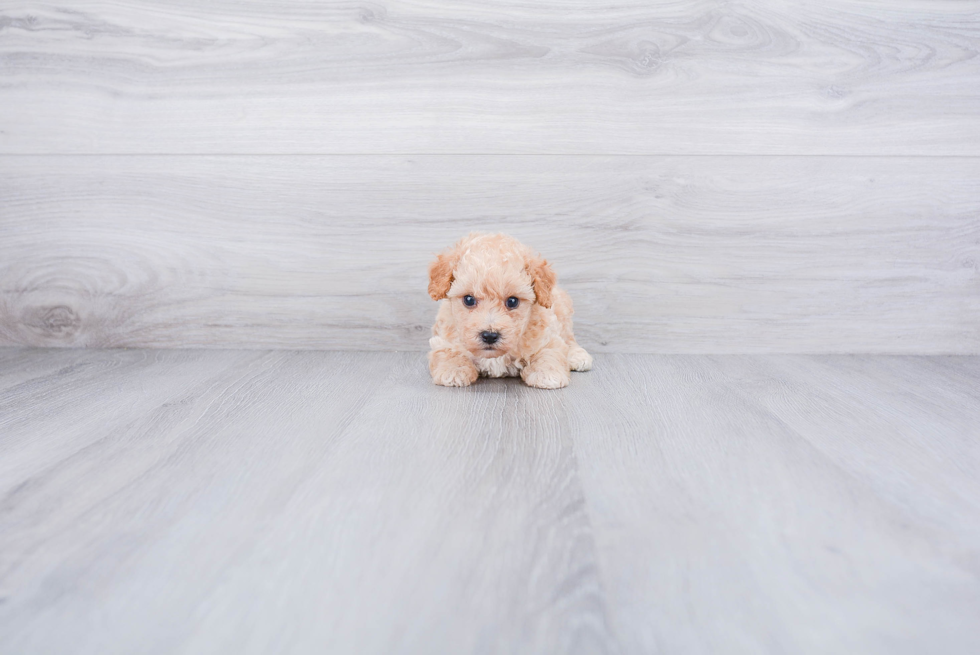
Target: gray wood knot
[[56, 321]]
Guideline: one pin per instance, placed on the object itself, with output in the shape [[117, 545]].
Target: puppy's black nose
[[489, 337]]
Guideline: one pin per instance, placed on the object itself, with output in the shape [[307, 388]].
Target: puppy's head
[[492, 283]]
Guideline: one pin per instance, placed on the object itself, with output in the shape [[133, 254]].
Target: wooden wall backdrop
[[707, 176]]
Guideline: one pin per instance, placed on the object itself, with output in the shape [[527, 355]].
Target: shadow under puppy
[[501, 315]]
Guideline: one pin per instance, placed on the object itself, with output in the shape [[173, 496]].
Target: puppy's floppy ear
[[543, 279], [441, 274]]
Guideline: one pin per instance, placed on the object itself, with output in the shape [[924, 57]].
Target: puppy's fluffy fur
[[534, 339]]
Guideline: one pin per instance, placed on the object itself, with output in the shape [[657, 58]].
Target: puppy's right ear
[[441, 274]]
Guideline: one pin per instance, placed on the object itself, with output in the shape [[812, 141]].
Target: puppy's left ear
[[543, 279], [441, 274]]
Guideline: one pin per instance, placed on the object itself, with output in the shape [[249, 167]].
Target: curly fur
[[536, 339]]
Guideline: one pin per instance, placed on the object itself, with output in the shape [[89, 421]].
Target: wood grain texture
[[207, 478], [242, 501], [500, 76], [660, 254], [784, 504]]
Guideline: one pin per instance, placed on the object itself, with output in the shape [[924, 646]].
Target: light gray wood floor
[[244, 501]]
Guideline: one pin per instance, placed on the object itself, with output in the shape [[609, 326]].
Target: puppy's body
[[501, 315]]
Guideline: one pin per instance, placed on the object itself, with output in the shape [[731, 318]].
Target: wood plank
[[20, 365], [660, 254], [229, 501], [491, 76], [353, 506], [156, 383], [783, 504]]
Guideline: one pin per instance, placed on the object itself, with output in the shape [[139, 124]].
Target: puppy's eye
[[513, 302], [469, 301]]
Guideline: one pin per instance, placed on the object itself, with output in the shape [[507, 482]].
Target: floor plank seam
[[576, 471]]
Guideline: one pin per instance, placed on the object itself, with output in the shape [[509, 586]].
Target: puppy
[[500, 315]]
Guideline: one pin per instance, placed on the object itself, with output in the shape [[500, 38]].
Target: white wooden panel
[[676, 254], [491, 76]]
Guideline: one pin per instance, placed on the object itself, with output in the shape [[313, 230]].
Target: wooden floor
[[295, 502]]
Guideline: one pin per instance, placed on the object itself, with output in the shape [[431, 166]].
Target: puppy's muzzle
[[490, 338]]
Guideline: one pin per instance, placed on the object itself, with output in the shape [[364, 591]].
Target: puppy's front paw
[[579, 360], [449, 375], [545, 378]]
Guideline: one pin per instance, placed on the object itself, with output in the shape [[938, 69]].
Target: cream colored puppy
[[501, 315]]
